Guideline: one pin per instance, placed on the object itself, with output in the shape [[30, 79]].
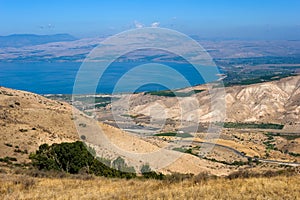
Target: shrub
[[145, 168], [177, 177], [202, 177], [25, 182], [120, 165], [20, 151], [148, 173], [8, 159], [74, 158], [9, 145]]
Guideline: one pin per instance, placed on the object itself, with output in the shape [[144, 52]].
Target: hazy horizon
[[268, 19]]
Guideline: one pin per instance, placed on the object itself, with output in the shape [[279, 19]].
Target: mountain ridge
[[23, 40], [268, 102]]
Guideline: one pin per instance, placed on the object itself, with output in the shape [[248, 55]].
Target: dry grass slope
[[28, 120], [20, 187]]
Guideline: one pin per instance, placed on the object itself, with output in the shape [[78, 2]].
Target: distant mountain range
[[22, 40], [67, 48]]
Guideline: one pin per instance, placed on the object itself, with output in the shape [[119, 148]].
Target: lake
[[59, 78]]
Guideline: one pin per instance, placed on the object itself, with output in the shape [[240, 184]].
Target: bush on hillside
[[74, 158]]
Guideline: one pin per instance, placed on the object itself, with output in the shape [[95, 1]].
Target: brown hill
[[28, 120], [270, 102]]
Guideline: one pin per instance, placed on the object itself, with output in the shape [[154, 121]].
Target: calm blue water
[[41, 78], [58, 78]]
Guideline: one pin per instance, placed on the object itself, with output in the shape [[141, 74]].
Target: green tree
[[145, 168], [148, 173], [72, 157]]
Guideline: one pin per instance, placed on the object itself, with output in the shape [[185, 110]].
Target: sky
[[252, 19]]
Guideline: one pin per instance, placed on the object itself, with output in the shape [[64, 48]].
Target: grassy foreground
[[25, 187]]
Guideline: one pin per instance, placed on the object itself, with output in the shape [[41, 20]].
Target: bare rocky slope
[[270, 102]]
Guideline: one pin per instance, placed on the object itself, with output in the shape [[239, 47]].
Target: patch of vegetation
[[260, 79], [88, 113], [101, 105], [269, 143], [83, 137], [286, 136], [190, 151], [17, 150], [76, 158], [184, 150], [235, 163], [252, 61], [130, 116], [169, 93], [120, 165], [290, 137], [148, 173], [82, 125], [8, 160], [173, 134], [242, 71], [73, 158], [9, 145], [294, 154], [7, 93], [239, 125]]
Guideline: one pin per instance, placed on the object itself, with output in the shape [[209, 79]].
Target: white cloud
[[48, 26], [155, 24], [138, 24]]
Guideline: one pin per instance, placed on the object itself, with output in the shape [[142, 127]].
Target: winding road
[[294, 164]]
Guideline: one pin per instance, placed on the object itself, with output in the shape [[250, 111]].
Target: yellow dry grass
[[21, 187], [28, 120]]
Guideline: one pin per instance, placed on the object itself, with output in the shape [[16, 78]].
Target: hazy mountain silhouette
[[21, 40]]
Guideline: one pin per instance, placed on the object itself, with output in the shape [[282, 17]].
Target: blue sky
[[274, 19]]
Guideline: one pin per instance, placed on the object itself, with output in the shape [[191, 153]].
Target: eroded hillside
[[270, 102]]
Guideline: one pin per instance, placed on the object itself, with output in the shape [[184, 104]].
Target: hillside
[[262, 120], [28, 120], [270, 102]]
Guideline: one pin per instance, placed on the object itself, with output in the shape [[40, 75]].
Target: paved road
[[294, 164]]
